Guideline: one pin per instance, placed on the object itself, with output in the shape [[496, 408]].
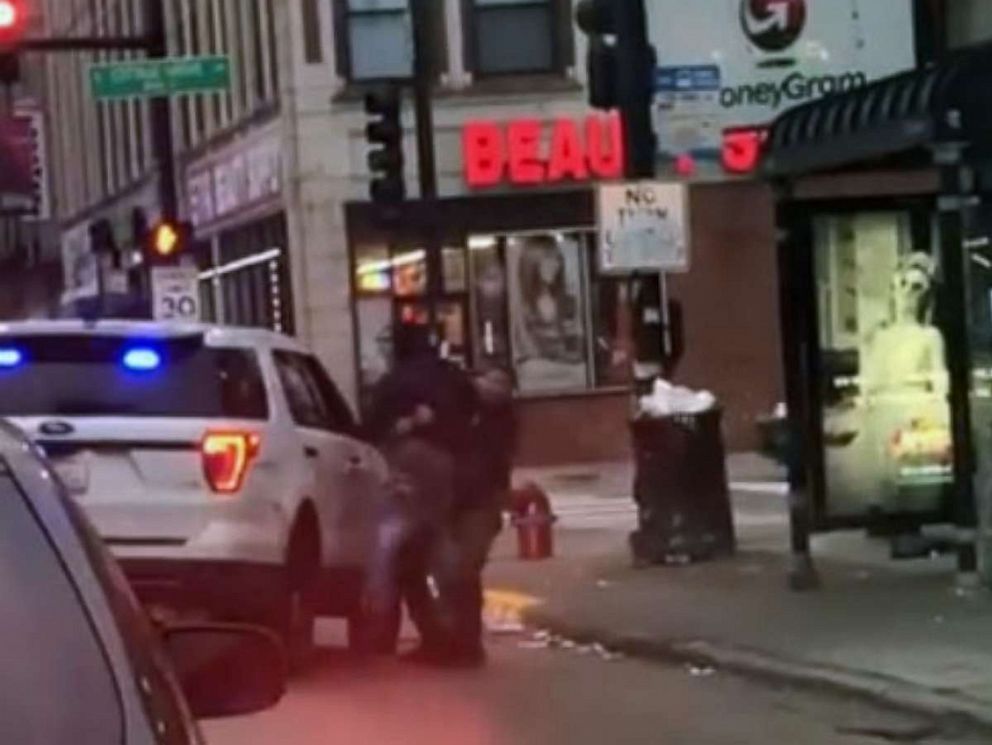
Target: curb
[[879, 689]]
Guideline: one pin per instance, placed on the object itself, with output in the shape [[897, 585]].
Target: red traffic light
[[10, 15]]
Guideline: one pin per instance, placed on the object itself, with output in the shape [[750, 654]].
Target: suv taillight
[[226, 458]]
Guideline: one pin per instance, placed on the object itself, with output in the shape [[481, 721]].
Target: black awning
[[950, 102]]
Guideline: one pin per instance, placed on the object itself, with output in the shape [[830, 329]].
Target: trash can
[[680, 486]]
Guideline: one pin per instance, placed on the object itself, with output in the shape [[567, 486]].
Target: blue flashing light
[[142, 359], [11, 357]]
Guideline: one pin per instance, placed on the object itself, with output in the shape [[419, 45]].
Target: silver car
[[81, 663]]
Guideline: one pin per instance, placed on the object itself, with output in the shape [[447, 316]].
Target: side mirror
[[226, 670]]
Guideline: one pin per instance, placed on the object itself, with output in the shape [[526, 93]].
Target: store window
[[391, 288], [513, 36], [530, 303], [886, 419], [548, 311], [246, 279]]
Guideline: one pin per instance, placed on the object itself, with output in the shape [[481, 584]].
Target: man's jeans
[[413, 540]]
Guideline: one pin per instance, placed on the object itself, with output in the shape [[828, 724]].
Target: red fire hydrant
[[532, 517]]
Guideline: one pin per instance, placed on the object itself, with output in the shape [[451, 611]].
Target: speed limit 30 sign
[[176, 293]]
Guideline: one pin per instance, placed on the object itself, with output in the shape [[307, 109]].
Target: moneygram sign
[[773, 25], [792, 90], [727, 64]]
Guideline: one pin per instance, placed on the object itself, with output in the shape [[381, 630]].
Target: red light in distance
[[742, 149], [9, 15]]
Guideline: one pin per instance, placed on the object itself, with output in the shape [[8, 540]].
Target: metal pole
[[951, 204], [423, 81], [793, 271], [635, 60], [160, 112]]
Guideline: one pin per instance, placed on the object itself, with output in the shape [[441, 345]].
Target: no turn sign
[[176, 293], [643, 227]]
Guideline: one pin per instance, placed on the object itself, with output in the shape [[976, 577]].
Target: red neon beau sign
[[528, 151]]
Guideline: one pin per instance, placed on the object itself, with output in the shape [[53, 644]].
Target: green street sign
[[160, 77]]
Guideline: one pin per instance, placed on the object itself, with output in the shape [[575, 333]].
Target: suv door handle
[[310, 452]]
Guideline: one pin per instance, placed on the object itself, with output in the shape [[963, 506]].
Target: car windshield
[[109, 376]]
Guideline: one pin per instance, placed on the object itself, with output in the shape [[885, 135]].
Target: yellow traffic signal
[[165, 241]]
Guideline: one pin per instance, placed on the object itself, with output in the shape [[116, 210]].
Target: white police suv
[[220, 465]]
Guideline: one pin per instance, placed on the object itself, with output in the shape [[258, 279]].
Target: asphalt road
[[530, 695]]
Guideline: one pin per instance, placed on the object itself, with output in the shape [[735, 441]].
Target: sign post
[[176, 293], [153, 78]]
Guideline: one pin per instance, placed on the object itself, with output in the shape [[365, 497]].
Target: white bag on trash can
[[667, 399]]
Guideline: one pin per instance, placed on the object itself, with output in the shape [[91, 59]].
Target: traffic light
[[166, 242], [11, 32], [385, 134], [102, 239], [11, 20], [139, 227], [620, 66], [596, 19]]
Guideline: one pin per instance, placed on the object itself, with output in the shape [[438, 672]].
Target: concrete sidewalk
[[614, 479], [900, 632]]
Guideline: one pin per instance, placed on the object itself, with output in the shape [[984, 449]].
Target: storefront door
[[883, 384]]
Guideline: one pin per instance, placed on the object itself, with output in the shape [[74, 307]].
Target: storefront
[[885, 300], [521, 288]]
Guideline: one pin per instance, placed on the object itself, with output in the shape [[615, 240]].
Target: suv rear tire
[[294, 616]]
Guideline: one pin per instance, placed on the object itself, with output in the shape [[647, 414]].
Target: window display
[[490, 321], [547, 312], [531, 303], [886, 418]]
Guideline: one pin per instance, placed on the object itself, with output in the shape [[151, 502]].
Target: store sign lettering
[[528, 152], [793, 89], [238, 178]]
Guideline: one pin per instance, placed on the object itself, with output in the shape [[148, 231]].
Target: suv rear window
[[86, 375]]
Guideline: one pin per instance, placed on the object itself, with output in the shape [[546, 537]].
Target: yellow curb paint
[[506, 606]]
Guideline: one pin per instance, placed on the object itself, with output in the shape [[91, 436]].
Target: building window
[[376, 37], [273, 50], [312, 53], [513, 36]]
